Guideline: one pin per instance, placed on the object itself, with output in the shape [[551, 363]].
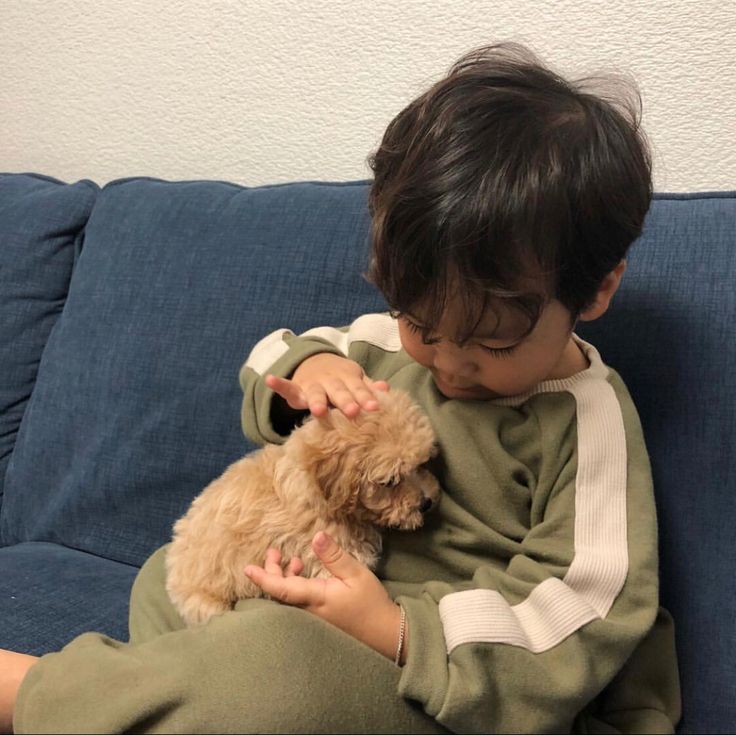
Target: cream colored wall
[[261, 91]]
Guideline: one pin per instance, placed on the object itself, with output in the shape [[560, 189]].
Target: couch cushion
[[50, 594], [671, 335], [137, 402], [41, 225], [136, 405]]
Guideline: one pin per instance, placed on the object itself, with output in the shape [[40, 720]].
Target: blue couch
[[126, 312]]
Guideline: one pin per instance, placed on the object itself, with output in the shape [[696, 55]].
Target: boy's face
[[495, 362]]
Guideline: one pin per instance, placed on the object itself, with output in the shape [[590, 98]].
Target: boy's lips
[[453, 390]]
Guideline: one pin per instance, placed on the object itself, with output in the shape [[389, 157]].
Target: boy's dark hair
[[500, 171]]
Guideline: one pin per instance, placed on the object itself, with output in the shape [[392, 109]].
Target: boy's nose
[[453, 360]]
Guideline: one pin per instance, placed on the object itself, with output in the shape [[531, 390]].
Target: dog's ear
[[335, 474], [327, 452], [317, 460]]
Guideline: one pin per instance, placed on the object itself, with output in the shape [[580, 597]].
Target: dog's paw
[[199, 608]]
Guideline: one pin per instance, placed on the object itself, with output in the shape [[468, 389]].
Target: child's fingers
[[381, 385], [316, 399], [295, 567], [272, 565], [353, 395], [288, 390], [335, 559], [364, 396], [350, 396], [341, 396], [292, 590], [364, 392]]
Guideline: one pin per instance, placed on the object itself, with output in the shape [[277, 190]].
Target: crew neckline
[[596, 370]]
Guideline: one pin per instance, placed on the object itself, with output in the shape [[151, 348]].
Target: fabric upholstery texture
[[41, 225], [50, 594], [671, 335], [136, 402]]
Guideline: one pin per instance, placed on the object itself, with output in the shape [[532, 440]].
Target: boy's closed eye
[[425, 333]]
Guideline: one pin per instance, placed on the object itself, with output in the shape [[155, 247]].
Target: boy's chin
[[471, 393]]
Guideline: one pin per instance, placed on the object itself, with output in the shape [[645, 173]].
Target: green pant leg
[[263, 668], [151, 611]]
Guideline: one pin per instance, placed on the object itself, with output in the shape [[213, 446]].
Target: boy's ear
[[606, 290]]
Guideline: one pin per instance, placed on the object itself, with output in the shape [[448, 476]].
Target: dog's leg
[[367, 557], [364, 554], [199, 607]]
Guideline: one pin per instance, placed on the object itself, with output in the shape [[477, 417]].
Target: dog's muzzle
[[426, 505]]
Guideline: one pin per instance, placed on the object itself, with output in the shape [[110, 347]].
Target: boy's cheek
[[415, 348], [508, 382]]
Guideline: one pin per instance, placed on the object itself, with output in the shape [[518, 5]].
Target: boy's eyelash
[[495, 351], [419, 330], [498, 351]]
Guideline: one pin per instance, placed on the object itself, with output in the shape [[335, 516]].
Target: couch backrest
[[41, 224], [136, 404], [671, 333]]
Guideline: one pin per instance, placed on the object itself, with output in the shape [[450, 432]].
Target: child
[[504, 202]]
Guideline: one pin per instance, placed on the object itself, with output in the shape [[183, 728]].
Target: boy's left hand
[[353, 599]]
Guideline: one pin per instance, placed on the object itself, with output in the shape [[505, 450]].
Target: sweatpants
[[263, 668]]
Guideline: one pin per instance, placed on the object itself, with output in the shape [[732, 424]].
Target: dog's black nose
[[425, 505]]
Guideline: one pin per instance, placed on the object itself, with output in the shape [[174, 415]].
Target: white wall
[[261, 91]]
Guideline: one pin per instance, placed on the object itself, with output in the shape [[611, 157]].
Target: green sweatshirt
[[534, 586]]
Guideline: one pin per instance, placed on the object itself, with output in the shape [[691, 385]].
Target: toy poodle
[[344, 476]]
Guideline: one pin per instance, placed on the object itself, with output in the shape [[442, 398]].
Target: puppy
[[344, 476]]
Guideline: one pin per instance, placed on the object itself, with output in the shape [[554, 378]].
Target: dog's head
[[371, 466]]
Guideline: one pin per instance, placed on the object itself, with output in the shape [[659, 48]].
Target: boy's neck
[[573, 361]]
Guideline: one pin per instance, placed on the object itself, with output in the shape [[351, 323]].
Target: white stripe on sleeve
[[267, 351], [380, 330], [557, 608]]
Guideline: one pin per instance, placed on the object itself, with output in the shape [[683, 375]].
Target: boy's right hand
[[325, 380]]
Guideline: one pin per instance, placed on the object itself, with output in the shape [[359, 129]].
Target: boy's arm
[[371, 341], [525, 648]]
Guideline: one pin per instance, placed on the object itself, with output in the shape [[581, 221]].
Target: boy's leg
[[13, 668], [151, 611], [263, 668]]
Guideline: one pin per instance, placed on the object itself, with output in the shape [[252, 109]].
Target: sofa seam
[[234, 185], [690, 196]]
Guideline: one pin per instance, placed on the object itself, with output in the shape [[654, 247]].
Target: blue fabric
[[671, 334], [137, 403], [50, 594], [41, 223]]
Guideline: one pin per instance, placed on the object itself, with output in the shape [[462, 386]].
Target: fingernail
[[321, 541]]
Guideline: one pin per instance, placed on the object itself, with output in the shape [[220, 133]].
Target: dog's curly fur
[[344, 476]]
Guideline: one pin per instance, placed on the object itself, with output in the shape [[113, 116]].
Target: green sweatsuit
[[531, 592]]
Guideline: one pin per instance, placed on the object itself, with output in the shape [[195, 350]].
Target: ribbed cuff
[[424, 677]]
